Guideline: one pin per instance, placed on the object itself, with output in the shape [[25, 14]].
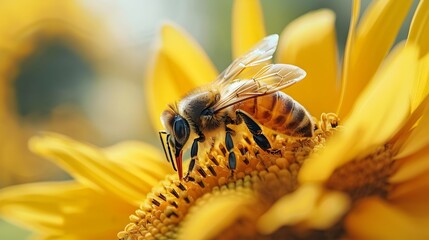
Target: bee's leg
[[256, 132], [232, 160], [194, 154]]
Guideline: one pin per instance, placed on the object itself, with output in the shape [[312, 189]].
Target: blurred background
[[76, 67]]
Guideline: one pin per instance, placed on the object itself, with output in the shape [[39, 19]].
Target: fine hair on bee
[[248, 91]]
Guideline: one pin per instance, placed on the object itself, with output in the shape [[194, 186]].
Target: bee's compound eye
[[180, 130]]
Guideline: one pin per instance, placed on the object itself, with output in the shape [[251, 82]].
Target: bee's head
[[178, 132]]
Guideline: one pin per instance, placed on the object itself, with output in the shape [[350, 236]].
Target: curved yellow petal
[[418, 139], [411, 166], [373, 218], [420, 27], [247, 26], [421, 86], [203, 222], [180, 65], [330, 207], [162, 87], [51, 237], [182, 50], [123, 177], [62, 237], [310, 43], [414, 199], [309, 205], [410, 189], [350, 43], [65, 210], [74, 22], [373, 39], [290, 209], [140, 159], [378, 114]]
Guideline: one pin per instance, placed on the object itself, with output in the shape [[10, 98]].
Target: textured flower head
[[315, 192], [366, 164]]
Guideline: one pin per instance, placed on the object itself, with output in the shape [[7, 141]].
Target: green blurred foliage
[[12, 232]]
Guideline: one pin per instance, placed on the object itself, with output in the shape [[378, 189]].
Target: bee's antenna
[[169, 152], [168, 156]]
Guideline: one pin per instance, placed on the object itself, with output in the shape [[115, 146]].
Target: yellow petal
[[378, 113], [406, 130], [140, 159], [418, 138], [310, 43], [350, 43], [412, 196], [204, 221], [420, 27], [421, 86], [414, 199], [73, 23], [162, 85], [411, 166], [182, 50], [308, 205], [330, 207], [179, 66], [374, 37], [290, 209], [247, 26], [64, 208], [374, 219], [412, 187], [92, 167], [50, 237]]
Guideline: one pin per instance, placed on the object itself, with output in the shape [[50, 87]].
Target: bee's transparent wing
[[259, 54], [267, 80]]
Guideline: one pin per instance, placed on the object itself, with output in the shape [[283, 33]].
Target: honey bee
[[231, 100]]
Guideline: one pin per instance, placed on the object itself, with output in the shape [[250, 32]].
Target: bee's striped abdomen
[[281, 113]]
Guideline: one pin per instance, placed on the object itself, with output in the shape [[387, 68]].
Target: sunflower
[[361, 177], [109, 183], [26, 28], [328, 187]]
